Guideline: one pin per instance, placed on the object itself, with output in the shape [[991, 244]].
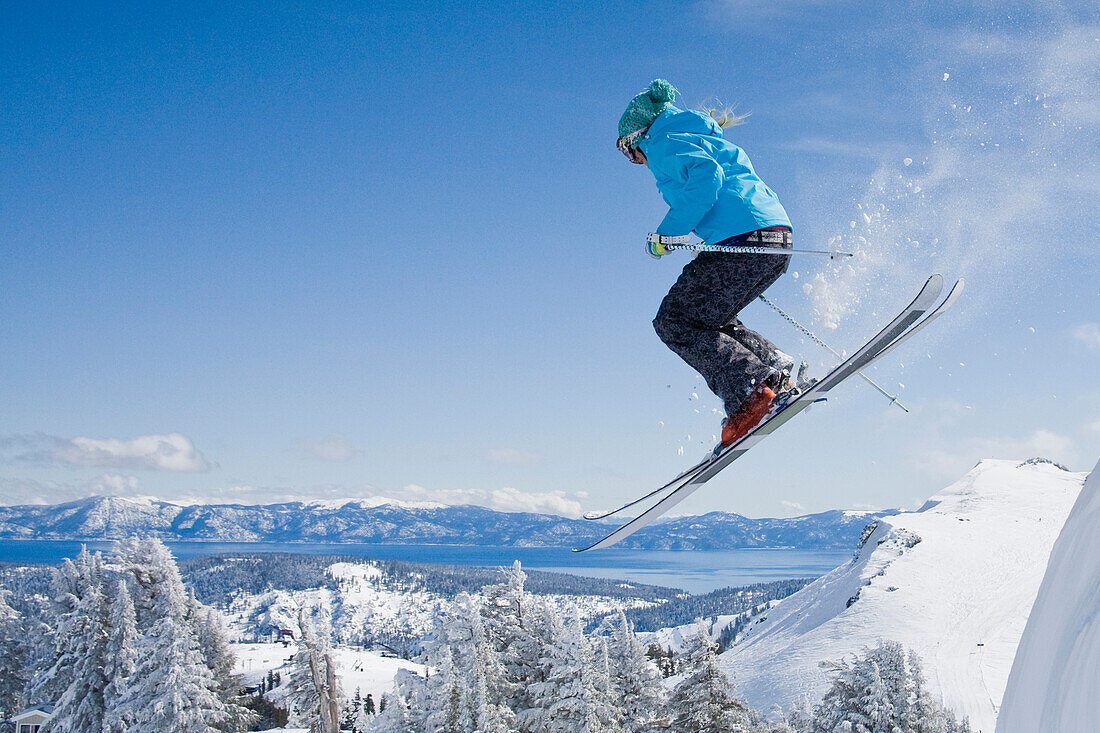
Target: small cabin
[[31, 719]]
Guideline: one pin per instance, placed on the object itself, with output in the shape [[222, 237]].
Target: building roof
[[40, 709]]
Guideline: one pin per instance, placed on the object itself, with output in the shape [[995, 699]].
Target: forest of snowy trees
[[120, 644], [503, 660]]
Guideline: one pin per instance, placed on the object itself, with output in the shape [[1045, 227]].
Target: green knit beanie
[[645, 107]]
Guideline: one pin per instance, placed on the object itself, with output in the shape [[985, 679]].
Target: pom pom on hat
[[646, 107], [661, 91]]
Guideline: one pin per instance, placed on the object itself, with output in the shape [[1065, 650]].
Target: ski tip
[[593, 515]]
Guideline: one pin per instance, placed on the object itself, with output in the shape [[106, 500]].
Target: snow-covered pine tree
[[121, 656], [466, 691], [13, 676], [403, 710], [171, 688], [703, 702], [926, 714], [514, 623], [351, 710], [214, 646], [53, 661], [634, 677], [489, 712], [314, 691], [82, 634], [362, 721], [883, 690], [573, 693]]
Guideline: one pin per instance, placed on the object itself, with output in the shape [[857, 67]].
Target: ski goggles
[[628, 146]]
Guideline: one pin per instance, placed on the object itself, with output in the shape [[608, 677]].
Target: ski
[[952, 295], [602, 515], [908, 322]]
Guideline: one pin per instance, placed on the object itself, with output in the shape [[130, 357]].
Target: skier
[[711, 188]]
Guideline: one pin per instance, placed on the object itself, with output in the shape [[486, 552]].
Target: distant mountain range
[[105, 518]]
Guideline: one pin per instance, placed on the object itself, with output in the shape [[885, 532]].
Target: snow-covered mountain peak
[[954, 581], [370, 502]]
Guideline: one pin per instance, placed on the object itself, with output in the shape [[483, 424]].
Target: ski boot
[[754, 409]]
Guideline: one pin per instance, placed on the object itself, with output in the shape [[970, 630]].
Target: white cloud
[[334, 448], [1089, 335], [30, 491], [514, 500], [947, 462], [512, 457], [171, 452], [793, 506], [505, 499]]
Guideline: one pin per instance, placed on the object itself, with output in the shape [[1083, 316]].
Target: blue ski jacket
[[708, 182]]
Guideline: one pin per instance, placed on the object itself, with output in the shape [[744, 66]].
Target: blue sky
[[333, 250]]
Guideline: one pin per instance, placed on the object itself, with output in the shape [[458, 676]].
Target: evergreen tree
[[12, 652], [122, 656], [214, 646], [172, 688], [634, 677], [573, 693], [703, 701], [881, 691], [515, 624], [83, 633], [355, 704], [53, 660], [402, 711], [466, 691]]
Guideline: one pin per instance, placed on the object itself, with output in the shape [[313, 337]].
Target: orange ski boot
[[754, 409]]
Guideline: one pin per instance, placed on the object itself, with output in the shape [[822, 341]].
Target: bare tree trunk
[[324, 682], [330, 691]]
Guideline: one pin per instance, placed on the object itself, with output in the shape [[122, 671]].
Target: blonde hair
[[723, 115]]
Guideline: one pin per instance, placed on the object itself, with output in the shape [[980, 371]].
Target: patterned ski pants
[[698, 320]]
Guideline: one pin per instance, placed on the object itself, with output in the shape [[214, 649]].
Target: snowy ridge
[[954, 581], [1053, 682]]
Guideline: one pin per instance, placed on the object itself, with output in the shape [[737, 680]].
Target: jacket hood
[[676, 120]]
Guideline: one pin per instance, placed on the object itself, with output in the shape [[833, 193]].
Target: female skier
[[711, 189]]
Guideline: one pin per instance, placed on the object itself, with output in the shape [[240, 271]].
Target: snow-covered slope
[[954, 581], [1055, 679]]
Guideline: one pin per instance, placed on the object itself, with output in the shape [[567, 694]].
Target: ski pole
[[750, 250], [822, 344]]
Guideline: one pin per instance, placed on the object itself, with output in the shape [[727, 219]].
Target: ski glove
[[656, 244]]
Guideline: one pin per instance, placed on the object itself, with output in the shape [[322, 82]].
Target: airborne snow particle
[[946, 76], [1032, 329], [908, 161]]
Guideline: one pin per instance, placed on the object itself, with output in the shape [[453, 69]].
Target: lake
[[695, 572]]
